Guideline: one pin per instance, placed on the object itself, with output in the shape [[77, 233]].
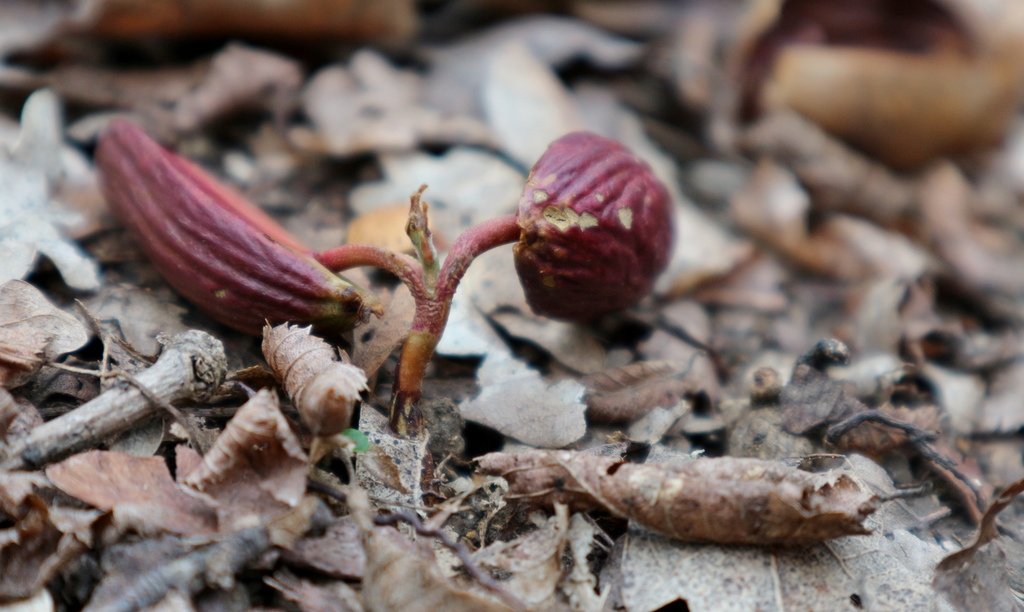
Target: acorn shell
[[596, 229]]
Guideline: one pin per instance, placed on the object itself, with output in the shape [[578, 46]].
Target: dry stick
[[190, 430], [191, 367]]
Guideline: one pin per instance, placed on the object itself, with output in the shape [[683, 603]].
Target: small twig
[[411, 519], [844, 426], [191, 366], [918, 439], [177, 415]]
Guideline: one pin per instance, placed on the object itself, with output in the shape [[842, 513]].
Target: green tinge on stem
[[418, 230], [432, 288]]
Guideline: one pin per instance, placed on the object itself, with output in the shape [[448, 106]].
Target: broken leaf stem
[[432, 287]]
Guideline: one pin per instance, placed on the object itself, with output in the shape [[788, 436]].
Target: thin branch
[[177, 415], [348, 256]]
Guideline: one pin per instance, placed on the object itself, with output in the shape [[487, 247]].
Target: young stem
[[433, 301], [432, 316], [348, 256]]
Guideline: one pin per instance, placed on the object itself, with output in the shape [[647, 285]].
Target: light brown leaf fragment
[[334, 596], [404, 575], [376, 340], [580, 585], [516, 401], [32, 331], [395, 475], [256, 466], [17, 417], [33, 545], [985, 258], [724, 500], [627, 393], [323, 389], [338, 552], [138, 490], [533, 562], [975, 578]]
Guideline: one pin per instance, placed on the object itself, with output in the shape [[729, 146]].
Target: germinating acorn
[[596, 229], [218, 250]]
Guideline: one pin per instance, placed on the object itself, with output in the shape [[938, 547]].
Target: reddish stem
[[350, 256], [432, 307], [432, 315], [471, 244]]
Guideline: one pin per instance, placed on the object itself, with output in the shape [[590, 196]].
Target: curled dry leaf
[[32, 332], [323, 389], [629, 392], [138, 490], [256, 466], [724, 500]]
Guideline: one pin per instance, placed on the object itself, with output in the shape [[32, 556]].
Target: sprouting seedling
[[592, 231]]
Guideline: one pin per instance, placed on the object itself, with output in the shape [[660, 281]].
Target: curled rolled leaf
[[724, 500], [324, 390]]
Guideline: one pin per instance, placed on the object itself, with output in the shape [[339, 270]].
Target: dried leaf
[[335, 596], [840, 177], [256, 466], [31, 222], [372, 106], [526, 104], [627, 393], [532, 562], [32, 332], [467, 186], [888, 569], [979, 256], [504, 304], [391, 559], [376, 340], [394, 474], [975, 578], [516, 401], [705, 500], [459, 70], [34, 547], [138, 490], [338, 552], [774, 209], [323, 389], [812, 399], [126, 19]]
